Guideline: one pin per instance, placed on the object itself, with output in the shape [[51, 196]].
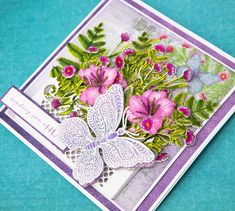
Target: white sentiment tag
[[33, 115]]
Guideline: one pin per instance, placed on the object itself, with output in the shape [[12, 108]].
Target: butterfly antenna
[[134, 136], [124, 117]]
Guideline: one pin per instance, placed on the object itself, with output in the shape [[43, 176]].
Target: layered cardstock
[[124, 105]]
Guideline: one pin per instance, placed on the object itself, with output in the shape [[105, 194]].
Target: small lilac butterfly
[[117, 150], [196, 79]]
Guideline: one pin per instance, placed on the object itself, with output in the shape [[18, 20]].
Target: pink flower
[[147, 124], [186, 45], [92, 49], [162, 157], [202, 96], [104, 60], [98, 80], [55, 103], [150, 109], [163, 37], [120, 80], [169, 49], [128, 51], [68, 71], [185, 110], [171, 69], [125, 37], [224, 75], [73, 114], [157, 67], [187, 75], [119, 61], [160, 48], [190, 138], [148, 60]]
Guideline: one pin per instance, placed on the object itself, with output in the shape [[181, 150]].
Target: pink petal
[[139, 106], [131, 117], [185, 110], [166, 107], [90, 94], [190, 138], [162, 157], [154, 96], [87, 74], [157, 124], [110, 75], [119, 80]]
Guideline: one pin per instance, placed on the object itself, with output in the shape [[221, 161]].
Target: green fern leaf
[[55, 72], [190, 102], [75, 51], [179, 98], [65, 62], [85, 42]]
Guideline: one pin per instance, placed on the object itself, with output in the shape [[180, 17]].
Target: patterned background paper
[[30, 30]]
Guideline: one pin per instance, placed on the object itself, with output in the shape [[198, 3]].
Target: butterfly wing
[[209, 78], [74, 133], [126, 152], [194, 63], [195, 85], [105, 116], [89, 166]]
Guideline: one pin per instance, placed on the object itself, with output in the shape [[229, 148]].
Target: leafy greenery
[[141, 75]]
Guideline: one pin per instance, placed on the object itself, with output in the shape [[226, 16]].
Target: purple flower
[[162, 157], [128, 51], [125, 37], [119, 61], [147, 124], [150, 109], [98, 80], [148, 60], [120, 80], [92, 49], [187, 75], [171, 69], [157, 67], [104, 60], [160, 48], [190, 138], [185, 110], [73, 114], [55, 103], [68, 71]]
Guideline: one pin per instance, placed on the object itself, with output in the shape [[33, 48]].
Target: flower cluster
[[160, 110]]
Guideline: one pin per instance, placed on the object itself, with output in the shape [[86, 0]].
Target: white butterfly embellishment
[[117, 150]]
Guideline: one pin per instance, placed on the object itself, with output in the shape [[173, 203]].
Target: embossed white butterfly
[[117, 151]]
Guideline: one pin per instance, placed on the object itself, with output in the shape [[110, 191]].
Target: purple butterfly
[[196, 79]]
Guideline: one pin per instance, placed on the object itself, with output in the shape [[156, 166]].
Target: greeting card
[[124, 105]]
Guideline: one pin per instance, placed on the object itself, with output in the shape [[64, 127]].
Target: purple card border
[[186, 154]]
